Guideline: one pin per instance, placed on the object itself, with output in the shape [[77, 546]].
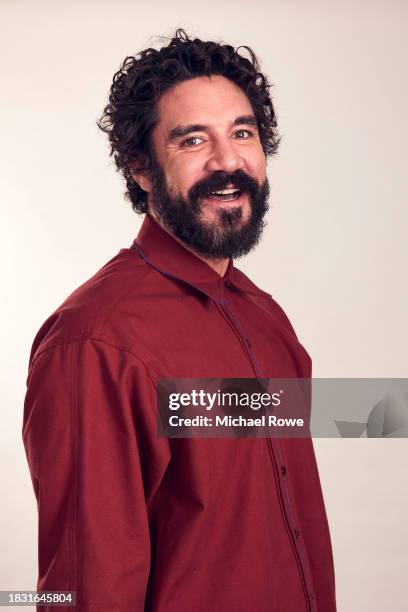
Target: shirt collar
[[161, 251]]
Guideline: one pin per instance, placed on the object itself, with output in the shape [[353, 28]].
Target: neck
[[218, 265]]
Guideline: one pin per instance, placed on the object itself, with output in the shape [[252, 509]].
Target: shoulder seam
[[106, 341]]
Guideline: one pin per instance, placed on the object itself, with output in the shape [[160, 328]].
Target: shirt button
[[297, 533], [283, 469], [248, 342]]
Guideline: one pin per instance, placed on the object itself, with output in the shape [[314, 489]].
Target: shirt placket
[[279, 468]]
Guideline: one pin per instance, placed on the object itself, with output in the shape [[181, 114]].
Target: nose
[[224, 156]]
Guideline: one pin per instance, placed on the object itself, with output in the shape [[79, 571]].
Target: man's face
[[208, 184]]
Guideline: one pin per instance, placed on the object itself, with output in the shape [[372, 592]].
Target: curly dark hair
[[131, 113]]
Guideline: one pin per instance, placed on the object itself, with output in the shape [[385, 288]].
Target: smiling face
[[208, 185]]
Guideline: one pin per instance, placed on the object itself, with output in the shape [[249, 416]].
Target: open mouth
[[225, 195]]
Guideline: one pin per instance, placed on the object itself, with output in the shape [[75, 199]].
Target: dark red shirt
[[135, 522]]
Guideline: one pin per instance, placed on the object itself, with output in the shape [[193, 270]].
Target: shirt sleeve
[[89, 431]]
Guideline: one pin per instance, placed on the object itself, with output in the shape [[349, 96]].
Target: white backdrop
[[335, 253]]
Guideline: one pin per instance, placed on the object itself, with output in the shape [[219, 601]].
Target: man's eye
[[190, 142], [243, 134]]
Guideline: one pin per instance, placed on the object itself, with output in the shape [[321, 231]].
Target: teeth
[[225, 191]]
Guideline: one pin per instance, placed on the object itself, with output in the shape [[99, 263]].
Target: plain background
[[334, 254]]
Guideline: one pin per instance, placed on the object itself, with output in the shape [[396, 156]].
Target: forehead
[[213, 101]]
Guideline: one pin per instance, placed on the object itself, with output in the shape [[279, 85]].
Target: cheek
[[182, 174], [255, 162], [259, 166]]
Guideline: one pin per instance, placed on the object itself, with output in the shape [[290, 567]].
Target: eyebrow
[[182, 130]]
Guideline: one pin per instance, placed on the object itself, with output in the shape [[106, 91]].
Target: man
[[127, 519]]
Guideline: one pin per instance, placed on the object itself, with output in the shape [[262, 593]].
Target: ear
[[141, 176]]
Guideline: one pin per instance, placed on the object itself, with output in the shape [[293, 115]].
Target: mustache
[[220, 180]]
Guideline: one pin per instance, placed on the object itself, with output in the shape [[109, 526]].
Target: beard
[[227, 237]]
